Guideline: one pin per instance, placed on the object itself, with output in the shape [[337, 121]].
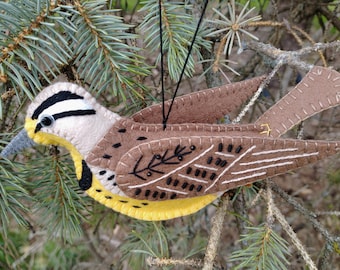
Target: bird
[[143, 169]]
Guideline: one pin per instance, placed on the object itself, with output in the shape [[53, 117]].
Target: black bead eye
[[47, 120]]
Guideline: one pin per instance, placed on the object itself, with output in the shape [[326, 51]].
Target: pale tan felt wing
[[204, 106], [198, 165], [319, 90]]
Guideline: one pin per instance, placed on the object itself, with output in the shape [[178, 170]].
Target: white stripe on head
[[67, 105]]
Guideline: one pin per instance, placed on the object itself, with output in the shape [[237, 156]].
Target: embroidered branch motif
[[157, 161]]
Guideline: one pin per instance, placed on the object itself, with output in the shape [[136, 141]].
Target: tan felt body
[[126, 134], [193, 157]]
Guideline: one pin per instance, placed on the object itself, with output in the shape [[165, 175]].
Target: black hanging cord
[[166, 116], [162, 61]]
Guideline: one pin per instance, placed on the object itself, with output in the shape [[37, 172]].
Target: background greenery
[[112, 49]]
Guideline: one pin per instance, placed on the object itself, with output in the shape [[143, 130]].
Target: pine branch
[[62, 211], [147, 239], [265, 250], [178, 30], [13, 195], [31, 45], [103, 57]]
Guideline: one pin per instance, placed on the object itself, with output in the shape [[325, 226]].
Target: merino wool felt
[[205, 106], [189, 159], [18, 143], [138, 168], [185, 167], [319, 90]]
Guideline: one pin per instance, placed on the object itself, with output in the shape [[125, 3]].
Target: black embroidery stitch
[[111, 177], [116, 145], [223, 163], [197, 172], [168, 181], [173, 196], [238, 149], [158, 160], [184, 185], [218, 161]]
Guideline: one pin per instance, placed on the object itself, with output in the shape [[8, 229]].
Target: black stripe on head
[[66, 114], [61, 96], [73, 113]]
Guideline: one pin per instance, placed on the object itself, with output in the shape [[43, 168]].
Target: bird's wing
[[319, 90], [204, 106], [193, 166]]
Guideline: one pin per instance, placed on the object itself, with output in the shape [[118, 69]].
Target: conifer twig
[[309, 215], [332, 242], [291, 58], [217, 226], [296, 241], [257, 94], [161, 262]]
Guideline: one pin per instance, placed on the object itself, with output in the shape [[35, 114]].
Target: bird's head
[[63, 114]]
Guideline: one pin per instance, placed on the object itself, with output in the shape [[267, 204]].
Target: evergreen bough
[[90, 43]]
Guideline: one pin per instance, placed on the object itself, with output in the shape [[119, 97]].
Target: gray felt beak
[[18, 143]]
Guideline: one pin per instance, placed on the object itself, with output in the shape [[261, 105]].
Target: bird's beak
[[18, 143]]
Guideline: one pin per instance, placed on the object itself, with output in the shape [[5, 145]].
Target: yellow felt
[[153, 211]]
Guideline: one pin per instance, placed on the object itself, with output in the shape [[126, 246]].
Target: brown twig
[[291, 58], [161, 262], [217, 226], [331, 241]]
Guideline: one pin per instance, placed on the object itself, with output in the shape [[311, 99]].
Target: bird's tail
[[319, 90]]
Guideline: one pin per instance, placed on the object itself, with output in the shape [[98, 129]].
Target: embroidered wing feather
[[192, 166]]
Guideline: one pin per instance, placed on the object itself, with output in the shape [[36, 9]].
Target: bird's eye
[[47, 120]]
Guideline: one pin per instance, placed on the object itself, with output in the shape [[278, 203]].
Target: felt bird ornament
[[136, 167]]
